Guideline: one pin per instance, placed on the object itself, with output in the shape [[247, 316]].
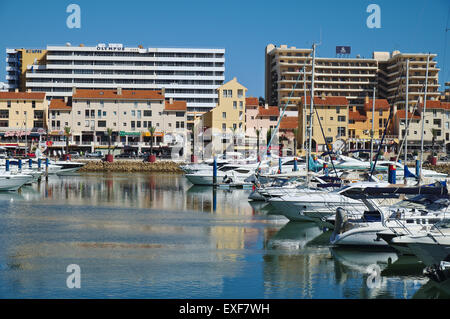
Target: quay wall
[[130, 166]]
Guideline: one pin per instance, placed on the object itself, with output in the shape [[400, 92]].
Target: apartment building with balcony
[[22, 114], [352, 78], [392, 77], [129, 113], [187, 74]]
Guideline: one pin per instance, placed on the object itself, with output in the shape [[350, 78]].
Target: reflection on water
[[157, 236]]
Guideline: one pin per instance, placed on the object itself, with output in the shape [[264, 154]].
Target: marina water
[[157, 236]]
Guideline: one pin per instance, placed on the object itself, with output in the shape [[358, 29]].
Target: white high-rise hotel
[[192, 75]]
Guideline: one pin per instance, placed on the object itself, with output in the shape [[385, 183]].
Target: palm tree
[[258, 133], [233, 130], [67, 134], [295, 131], [152, 130], [109, 132]]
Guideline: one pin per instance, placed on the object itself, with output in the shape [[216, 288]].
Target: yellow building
[[229, 113], [22, 111], [333, 114], [23, 117], [21, 61], [360, 123], [227, 119]]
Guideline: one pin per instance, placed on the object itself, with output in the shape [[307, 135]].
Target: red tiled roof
[[112, 94], [175, 106], [289, 123], [356, 116], [251, 101], [401, 114], [436, 105], [22, 95], [270, 111], [380, 104], [57, 104], [328, 100]]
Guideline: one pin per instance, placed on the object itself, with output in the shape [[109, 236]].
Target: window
[[138, 124], [102, 104], [224, 115], [341, 131], [338, 110], [86, 123], [88, 103], [9, 103], [240, 93], [241, 105], [33, 104], [101, 123], [133, 113], [234, 105], [124, 124], [104, 113], [92, 113], [179, 114], [341, 118], [380, 112], [147, 113], [139, 114], [133, 124], [4, 114], [224, 127], [230, 93], [99, 113]]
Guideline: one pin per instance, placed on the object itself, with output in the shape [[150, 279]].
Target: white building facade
[[186, 74]]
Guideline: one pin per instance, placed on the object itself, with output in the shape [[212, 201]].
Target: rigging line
[[445, 45], [387, 125], [282, 114], [323, 134], [408, 122]]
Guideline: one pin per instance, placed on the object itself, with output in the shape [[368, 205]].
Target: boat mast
[[405, 138], [304, 105], [423, 118], [372, 132], [311, 105]]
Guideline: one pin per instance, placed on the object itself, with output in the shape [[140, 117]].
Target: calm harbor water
[[157, 236]]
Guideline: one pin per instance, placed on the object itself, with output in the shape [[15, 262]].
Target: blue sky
[[243, 28]]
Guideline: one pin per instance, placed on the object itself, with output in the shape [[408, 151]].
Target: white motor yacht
[[367, 230], [10, 181], [318, 204]]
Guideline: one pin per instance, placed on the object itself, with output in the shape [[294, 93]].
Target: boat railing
[[400, 225]]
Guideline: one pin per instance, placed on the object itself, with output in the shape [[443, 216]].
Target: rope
[[282, 114]]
